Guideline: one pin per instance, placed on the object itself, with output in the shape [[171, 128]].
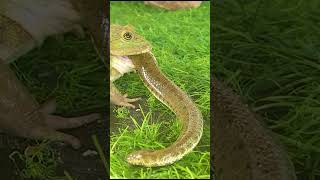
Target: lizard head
[[125, 42]]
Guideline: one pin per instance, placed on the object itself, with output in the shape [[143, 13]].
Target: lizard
[[24, 25], [131, 52]]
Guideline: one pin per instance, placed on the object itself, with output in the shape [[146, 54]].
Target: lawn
[[180, 41], [268, 51]]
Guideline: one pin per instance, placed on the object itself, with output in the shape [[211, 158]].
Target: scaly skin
[[244, 149], [134, 53]]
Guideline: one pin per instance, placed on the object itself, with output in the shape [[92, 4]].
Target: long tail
[[179, 102]]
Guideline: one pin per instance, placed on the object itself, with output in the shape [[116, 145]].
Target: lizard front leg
[[118, 99]]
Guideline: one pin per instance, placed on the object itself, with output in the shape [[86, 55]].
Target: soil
[[116, 123]]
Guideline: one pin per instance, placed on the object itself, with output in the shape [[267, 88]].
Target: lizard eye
[[127, 35]]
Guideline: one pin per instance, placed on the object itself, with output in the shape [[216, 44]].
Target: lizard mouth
[[130, 51], [123, 64]]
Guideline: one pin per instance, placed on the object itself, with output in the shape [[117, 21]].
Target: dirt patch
[[116, 123]]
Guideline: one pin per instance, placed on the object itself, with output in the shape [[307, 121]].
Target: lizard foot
[[124, 101]]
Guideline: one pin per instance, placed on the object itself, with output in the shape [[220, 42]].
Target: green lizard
[[130, 52]]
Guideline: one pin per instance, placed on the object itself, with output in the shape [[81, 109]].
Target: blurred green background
[[269, 52]]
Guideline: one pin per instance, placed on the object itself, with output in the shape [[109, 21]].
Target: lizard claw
[[124, 101]]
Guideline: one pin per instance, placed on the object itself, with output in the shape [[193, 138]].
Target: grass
[[39, 161], [101, 153], [268, 51], [68, 70], [180, 41]]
